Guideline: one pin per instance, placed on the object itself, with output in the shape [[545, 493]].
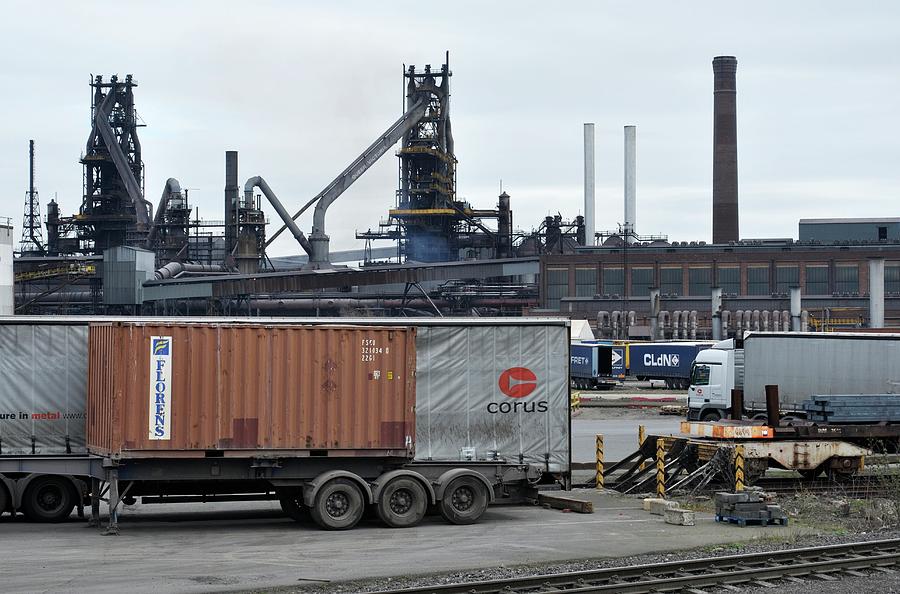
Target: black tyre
[[48, 499], [464, 500], [339, 505], [4, 499], [291, 501], [711, 416], [403, 502]]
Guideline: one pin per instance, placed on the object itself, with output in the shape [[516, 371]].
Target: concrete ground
[[240, 546], [619, 427]]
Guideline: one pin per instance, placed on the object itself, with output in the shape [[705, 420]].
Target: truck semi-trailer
[[669, 361], [592, 365], [801, 364], [490, 400]]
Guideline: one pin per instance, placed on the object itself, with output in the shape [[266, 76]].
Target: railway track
[[731, 572], [862, 487]]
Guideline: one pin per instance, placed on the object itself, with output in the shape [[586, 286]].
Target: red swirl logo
[[517, 382]]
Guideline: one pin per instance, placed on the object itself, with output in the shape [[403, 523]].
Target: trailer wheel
[[338, 505], [464, 500], [48, 499], [403, 502], [291, 501], [4, 499]]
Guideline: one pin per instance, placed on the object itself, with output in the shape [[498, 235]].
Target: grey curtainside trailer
[[492, 405], [806, 364]]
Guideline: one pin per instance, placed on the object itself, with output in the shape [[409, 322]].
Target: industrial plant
[[458, 360], [435, 254]]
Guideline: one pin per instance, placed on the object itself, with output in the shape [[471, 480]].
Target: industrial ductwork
[[177, 269], [259, 182], [172, 190]]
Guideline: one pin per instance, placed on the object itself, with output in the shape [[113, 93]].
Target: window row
[[760, 280]]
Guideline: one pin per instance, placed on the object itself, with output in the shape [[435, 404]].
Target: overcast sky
[[300, 89]]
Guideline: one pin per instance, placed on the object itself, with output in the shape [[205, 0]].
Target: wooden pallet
[[742, 522]]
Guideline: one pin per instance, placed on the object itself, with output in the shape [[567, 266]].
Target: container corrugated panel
[[244, 388]]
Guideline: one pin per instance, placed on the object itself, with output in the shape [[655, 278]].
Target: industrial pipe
[[804, 321], [602, 322], [764, 319], [693, 324], [259, 182], [175, 269], [876, 293], [795, 309], [171, 189], [726, 319], [654, 314], [662, 322], [716, 308]]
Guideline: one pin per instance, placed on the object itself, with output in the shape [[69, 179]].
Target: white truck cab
[[714, 374]]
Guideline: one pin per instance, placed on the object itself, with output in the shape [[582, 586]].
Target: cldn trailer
[[328, 417]]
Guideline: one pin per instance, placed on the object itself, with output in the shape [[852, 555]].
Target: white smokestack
[[630, 174], [589, 220], [7, 303]]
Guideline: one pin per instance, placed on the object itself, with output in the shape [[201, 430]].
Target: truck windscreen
[[700, 375]]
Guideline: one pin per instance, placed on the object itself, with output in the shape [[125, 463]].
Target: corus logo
[[518, 382]]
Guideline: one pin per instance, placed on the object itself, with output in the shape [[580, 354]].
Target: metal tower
[[431, 224], [32, 243], [114, 211]]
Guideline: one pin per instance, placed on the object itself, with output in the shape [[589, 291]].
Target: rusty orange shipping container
[[200, 389]]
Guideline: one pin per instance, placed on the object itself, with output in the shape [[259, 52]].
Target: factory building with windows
[[594, 282]]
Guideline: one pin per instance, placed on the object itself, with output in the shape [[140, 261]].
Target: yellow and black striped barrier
[[642, 436], [738, 468], [575, 401], [660, 470], [599, 461]]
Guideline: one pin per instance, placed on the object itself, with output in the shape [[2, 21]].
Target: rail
[[822, 562]]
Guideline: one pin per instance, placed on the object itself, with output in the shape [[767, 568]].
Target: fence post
[[738, 468], [660, 470], [599, 461]]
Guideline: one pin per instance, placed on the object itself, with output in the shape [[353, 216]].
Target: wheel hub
[[463, 498], [401, 501], [337, 504], [49, 499]]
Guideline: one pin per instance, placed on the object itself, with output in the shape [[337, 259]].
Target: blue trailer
[[591, 366], [669, 361]]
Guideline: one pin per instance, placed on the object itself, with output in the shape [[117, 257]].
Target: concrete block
[[732, 497], [680, 517], [775, 511], [648, 500], [659, 506]]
